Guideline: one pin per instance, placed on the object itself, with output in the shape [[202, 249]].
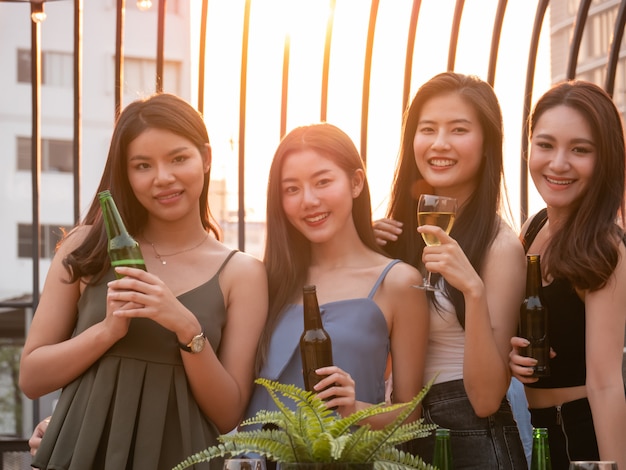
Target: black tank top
[[566, 324]]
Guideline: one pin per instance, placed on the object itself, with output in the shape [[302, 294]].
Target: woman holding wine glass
[[576, 160], [452, 146]]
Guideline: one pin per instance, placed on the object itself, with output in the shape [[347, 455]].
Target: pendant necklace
[[161, 257]]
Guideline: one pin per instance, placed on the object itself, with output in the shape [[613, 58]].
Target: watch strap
[[187, 347]]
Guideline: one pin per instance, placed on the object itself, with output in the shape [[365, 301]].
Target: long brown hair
[[477, 224], [160, 111], [585, 249], [287, 251]]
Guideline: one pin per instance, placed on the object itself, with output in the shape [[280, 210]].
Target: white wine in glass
[[439, 211]]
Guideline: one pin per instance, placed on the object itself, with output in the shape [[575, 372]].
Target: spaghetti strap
[[230, 255], [539, 220], [382, 277]]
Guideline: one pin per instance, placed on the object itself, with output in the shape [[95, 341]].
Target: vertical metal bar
[[454, 34], [119, 55], [528, 92], [326, 66], [160, 45], [202, 55], [284, 92], [616, 42], [78, 103], [241, 212], [367, 76], [579, 29], [495, 41], [35, 77], [410, 46]]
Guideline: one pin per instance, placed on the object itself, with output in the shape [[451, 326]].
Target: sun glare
[[304, 24]]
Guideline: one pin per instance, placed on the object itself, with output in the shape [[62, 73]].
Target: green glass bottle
[[442, 457], [541, 450], [123, 249], [315, 345], [534, 319]]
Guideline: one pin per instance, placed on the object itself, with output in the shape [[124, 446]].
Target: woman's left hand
[[449, 260], [341, 392], [150, 298]]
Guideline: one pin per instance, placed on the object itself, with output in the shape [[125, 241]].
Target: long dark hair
[[287, 252], [585, 248], [478, 222], [160, 111]]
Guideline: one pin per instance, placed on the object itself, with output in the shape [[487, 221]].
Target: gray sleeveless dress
[[360, 340], [133, 408]]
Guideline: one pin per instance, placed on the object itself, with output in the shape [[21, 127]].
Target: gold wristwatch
[[196, 344]]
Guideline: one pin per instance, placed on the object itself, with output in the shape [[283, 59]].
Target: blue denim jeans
[[477, 443]]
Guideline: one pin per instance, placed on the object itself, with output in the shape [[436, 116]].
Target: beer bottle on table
[[541, 450], [123, 249], [534, 319], [442, 456], [315, 344]]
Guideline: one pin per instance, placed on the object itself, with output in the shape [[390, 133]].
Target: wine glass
[[592, 465], [244, 464], [439, 211]]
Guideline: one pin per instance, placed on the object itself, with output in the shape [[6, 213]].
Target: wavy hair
[[585, 249], [477, 223], [160, 111]]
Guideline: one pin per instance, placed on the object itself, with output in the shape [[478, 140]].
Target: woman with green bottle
[[156, 364]]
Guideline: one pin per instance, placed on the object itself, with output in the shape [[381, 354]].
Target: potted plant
[[315, 434]]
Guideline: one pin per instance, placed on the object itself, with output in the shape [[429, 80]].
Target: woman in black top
[[577, 164]]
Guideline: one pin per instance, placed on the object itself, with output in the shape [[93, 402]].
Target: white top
[[446, 342]]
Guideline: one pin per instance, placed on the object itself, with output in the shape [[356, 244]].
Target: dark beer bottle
[[123, 249], [315, 345], [534, 319], [442, 457], [541, 450]]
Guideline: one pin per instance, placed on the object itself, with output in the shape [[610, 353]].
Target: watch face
[[197, 343]]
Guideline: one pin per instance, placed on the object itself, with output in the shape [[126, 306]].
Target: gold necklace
[[160, 256]]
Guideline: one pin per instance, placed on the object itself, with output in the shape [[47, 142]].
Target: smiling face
[[317, 195], [448, 145], [562, 157], [166, 173]]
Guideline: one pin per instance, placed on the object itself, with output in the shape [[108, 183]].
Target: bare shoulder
[[506, 243], [243, 266], [402, 275]]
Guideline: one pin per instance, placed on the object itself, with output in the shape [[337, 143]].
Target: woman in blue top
[[577, 164], [319, 232]]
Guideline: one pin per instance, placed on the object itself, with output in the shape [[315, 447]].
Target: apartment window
[[57, 68], [49, 236], [140, 76], [57, 155]]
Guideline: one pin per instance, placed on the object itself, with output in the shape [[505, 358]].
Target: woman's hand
[[386, 230], [522, 367], [449, 260], [142, 294], [35, 440], [341, 392]]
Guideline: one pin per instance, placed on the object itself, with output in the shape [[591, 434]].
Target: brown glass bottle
[[315, 344], [122, 247], [534, 319]]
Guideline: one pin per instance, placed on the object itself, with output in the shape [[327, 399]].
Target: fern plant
[[314, 433]]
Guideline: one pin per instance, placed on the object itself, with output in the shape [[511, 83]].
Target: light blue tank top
[[360, 340]]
